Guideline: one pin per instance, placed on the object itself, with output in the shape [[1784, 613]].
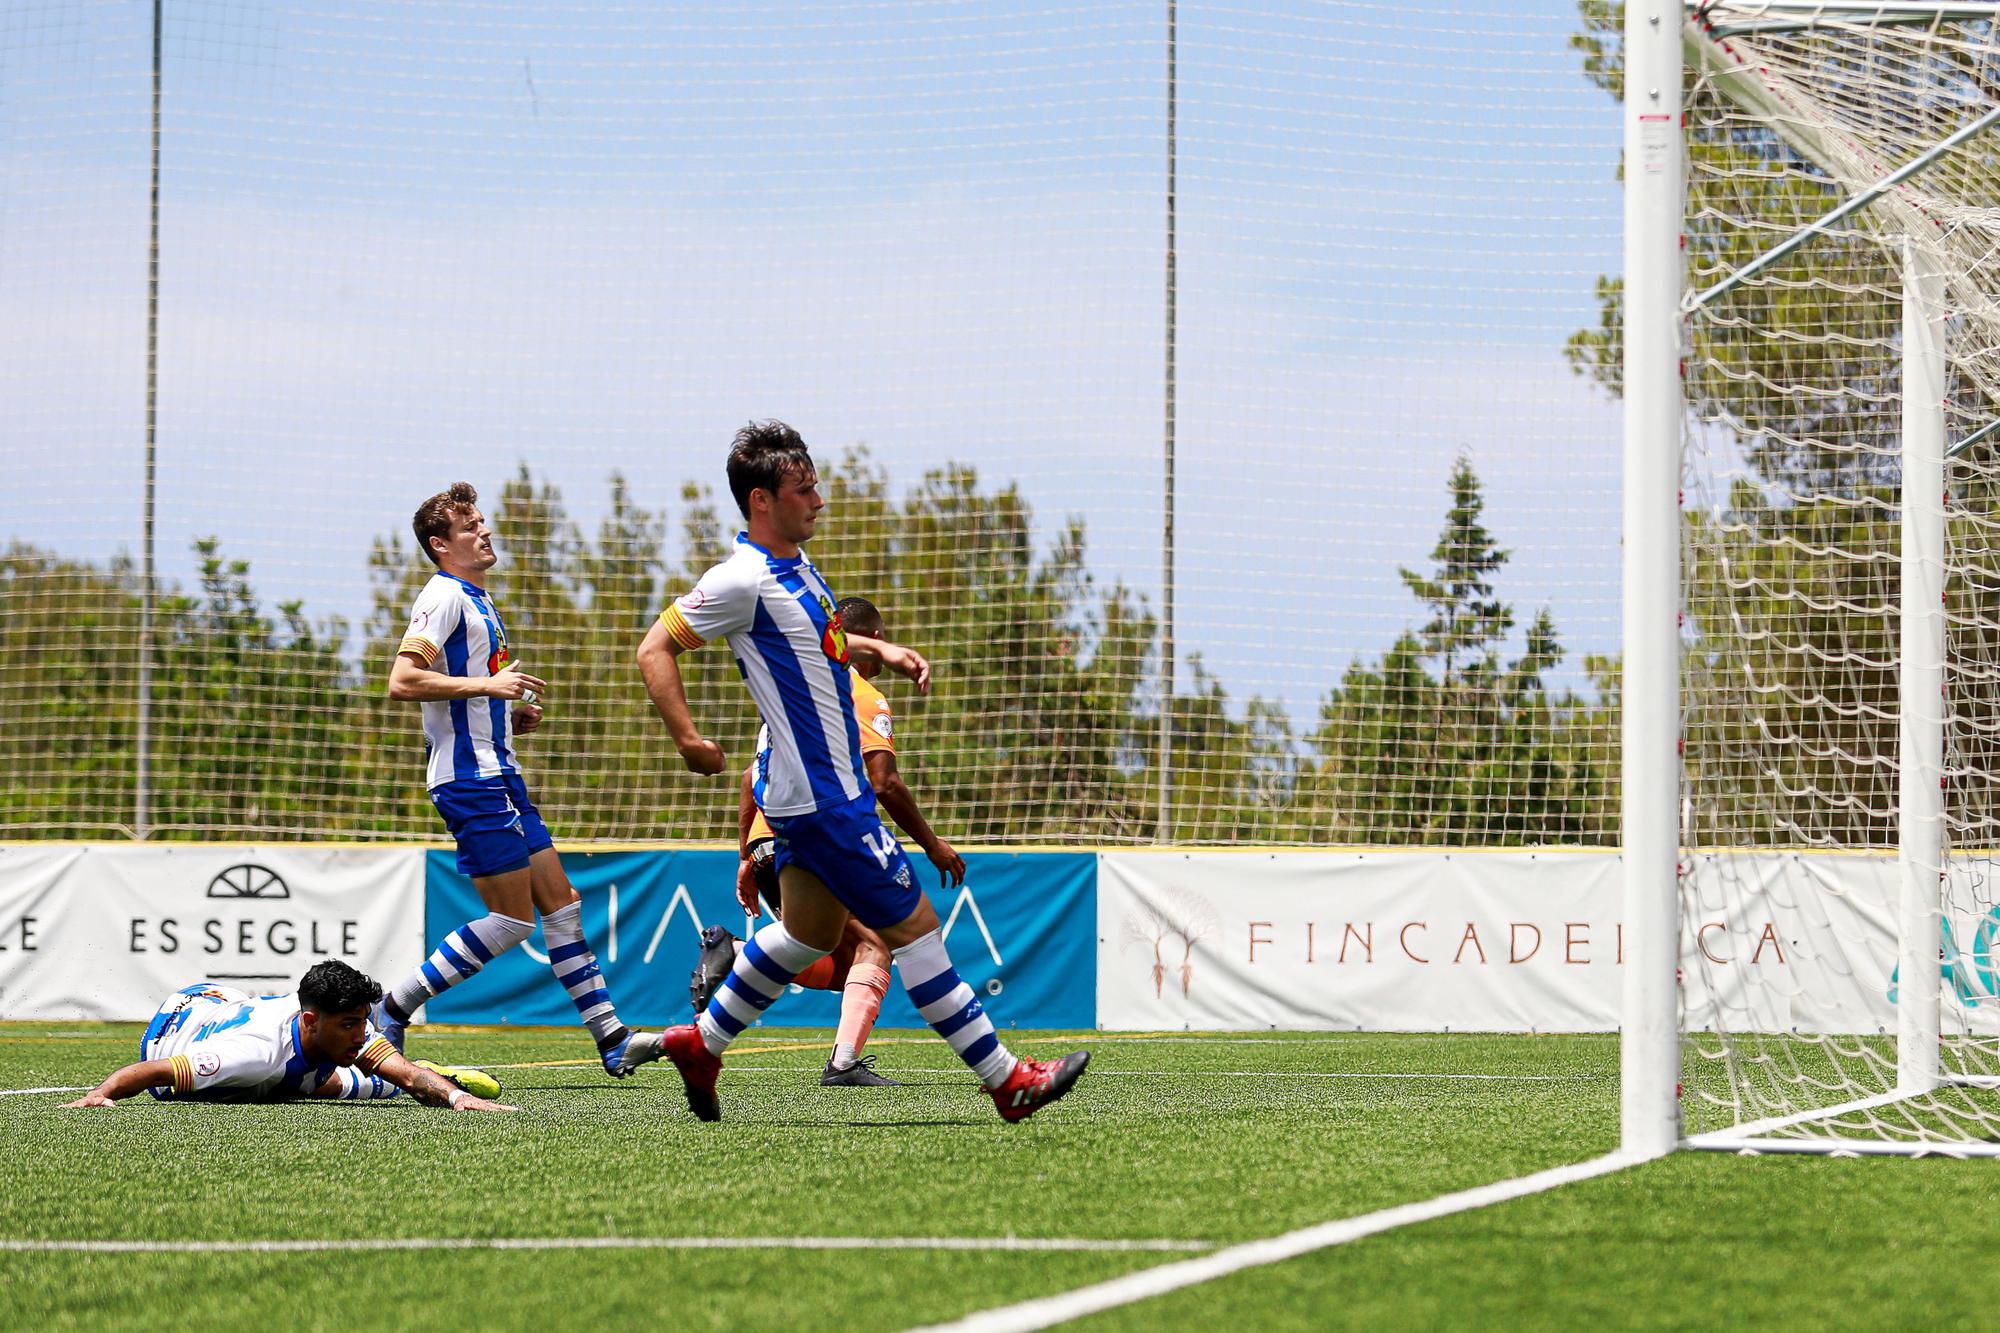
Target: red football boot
[[684, 1046], [1034, 1084]]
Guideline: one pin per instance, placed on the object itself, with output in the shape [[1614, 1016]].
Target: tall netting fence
[[1796, 571], [563, 251]]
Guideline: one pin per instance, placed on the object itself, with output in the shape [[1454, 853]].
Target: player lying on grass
[[454, 661], [211, 1043], [859, 966], [833, 854]]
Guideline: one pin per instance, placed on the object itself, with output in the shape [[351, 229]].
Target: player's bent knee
[[502, 932], [863, 947], [912, 927]]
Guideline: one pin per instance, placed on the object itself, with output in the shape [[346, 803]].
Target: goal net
[[1841, 646]]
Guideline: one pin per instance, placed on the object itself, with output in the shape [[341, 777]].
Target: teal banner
[[1022, 932]]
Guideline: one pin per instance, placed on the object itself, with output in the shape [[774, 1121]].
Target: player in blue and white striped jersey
[[216, 1044], [834, 855], [454, 660]]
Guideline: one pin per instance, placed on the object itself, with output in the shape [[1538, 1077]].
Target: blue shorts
[[855, 856], [497, 826]]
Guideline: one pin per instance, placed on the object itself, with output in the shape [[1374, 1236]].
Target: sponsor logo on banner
[[1170, 928], [1391, 941], [1020, 925], [249, 881], [265, 937], [105, 932]]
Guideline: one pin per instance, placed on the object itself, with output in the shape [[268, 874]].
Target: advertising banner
[[1020, 932], [106, 932], [1517, 942], [1375, 941]]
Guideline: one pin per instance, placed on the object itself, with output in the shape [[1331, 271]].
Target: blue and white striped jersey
[[788, 642], [224, 1045], [455, 627]]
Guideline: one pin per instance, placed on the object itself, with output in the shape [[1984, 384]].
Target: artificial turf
[[1199, 1138]]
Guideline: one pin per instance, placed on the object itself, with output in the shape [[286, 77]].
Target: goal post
[[1921, 683], [1654, 174], [1811, 314]]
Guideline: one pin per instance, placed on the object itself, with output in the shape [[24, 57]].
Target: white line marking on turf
[[30, 1092], [1029, 1243], [1048, 1310], [1152, 1073], [1187, 1073]]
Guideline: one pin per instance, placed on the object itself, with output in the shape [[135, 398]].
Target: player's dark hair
[[434, 516], [859, 616], [761, 457], [332, 987]]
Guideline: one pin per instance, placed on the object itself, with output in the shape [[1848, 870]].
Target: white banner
[[105, 932], [1376, 941], [1513, 942]]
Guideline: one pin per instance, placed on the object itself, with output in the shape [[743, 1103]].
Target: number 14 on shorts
[[882, 843]]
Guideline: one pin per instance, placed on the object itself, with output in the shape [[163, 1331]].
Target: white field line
[[30, 1092], [1183, 1073], [1131, 1073], [376, 1244], [1049, 1310]]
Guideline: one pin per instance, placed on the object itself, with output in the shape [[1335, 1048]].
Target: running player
[[859, 966], [211, 1043], [454, 661], [833, 855]]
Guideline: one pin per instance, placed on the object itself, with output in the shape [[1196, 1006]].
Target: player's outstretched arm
[[433, 1089], [410, 681], [660, 668], [746, 817], [127, 1082], [894, 794], [907, 662]]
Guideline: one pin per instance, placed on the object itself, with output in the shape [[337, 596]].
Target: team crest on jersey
[[834, 642], [498, 657]]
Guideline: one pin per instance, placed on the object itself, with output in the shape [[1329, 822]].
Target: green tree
[[1443, 740], [69, 656]]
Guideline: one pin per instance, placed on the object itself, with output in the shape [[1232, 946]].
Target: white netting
[[563, 251], [1792, 563]]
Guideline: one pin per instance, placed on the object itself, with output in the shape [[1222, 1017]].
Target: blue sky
[[406, 244]]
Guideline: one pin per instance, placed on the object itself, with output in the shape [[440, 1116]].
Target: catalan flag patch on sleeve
[[373, 1054], [678, 628]]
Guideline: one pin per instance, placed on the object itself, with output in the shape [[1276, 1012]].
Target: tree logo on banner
[[1178, 915]]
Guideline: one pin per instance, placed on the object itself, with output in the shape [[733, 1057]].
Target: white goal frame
[[1654, 309]]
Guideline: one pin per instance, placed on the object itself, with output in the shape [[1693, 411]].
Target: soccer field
[[1174, 1145]]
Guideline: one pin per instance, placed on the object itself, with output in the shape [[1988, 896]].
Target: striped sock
[[576, 968], [356, 1086], [951, 1008], [860, 1006], [461, 954], [768, 962]]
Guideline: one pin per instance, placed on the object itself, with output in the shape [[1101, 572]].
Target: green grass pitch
[[1206, 1139]]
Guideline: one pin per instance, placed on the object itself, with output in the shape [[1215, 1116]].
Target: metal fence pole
[[142, 796], [1164, 830]]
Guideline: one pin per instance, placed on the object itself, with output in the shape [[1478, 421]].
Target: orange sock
[[817, 977], [860, 1006]]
